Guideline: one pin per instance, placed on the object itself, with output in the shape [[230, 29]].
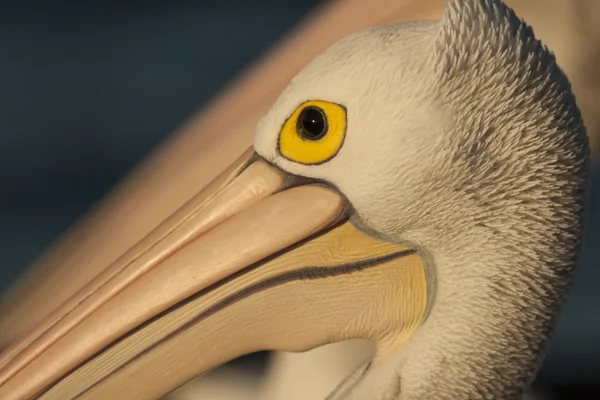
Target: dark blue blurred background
[[87, 89]]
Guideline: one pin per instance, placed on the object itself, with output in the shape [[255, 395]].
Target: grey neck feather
[[489, 330], [495, 309]]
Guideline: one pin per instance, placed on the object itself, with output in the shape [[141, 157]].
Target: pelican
[[420, 185]]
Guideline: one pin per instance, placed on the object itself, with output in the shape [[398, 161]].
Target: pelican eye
[[312, 123], [314, 133]]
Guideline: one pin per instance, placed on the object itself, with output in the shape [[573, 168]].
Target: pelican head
[[421, 185], [463, 141]]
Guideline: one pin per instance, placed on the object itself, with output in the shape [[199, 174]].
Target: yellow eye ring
[[314, 133]]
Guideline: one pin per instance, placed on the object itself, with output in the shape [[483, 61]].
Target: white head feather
[[463, 140]]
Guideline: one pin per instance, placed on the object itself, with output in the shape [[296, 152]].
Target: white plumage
[[465, 142]]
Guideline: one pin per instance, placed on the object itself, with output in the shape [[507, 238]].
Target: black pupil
[[312, 124]]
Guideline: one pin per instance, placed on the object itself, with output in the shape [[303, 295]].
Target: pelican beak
[[250, 263]]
